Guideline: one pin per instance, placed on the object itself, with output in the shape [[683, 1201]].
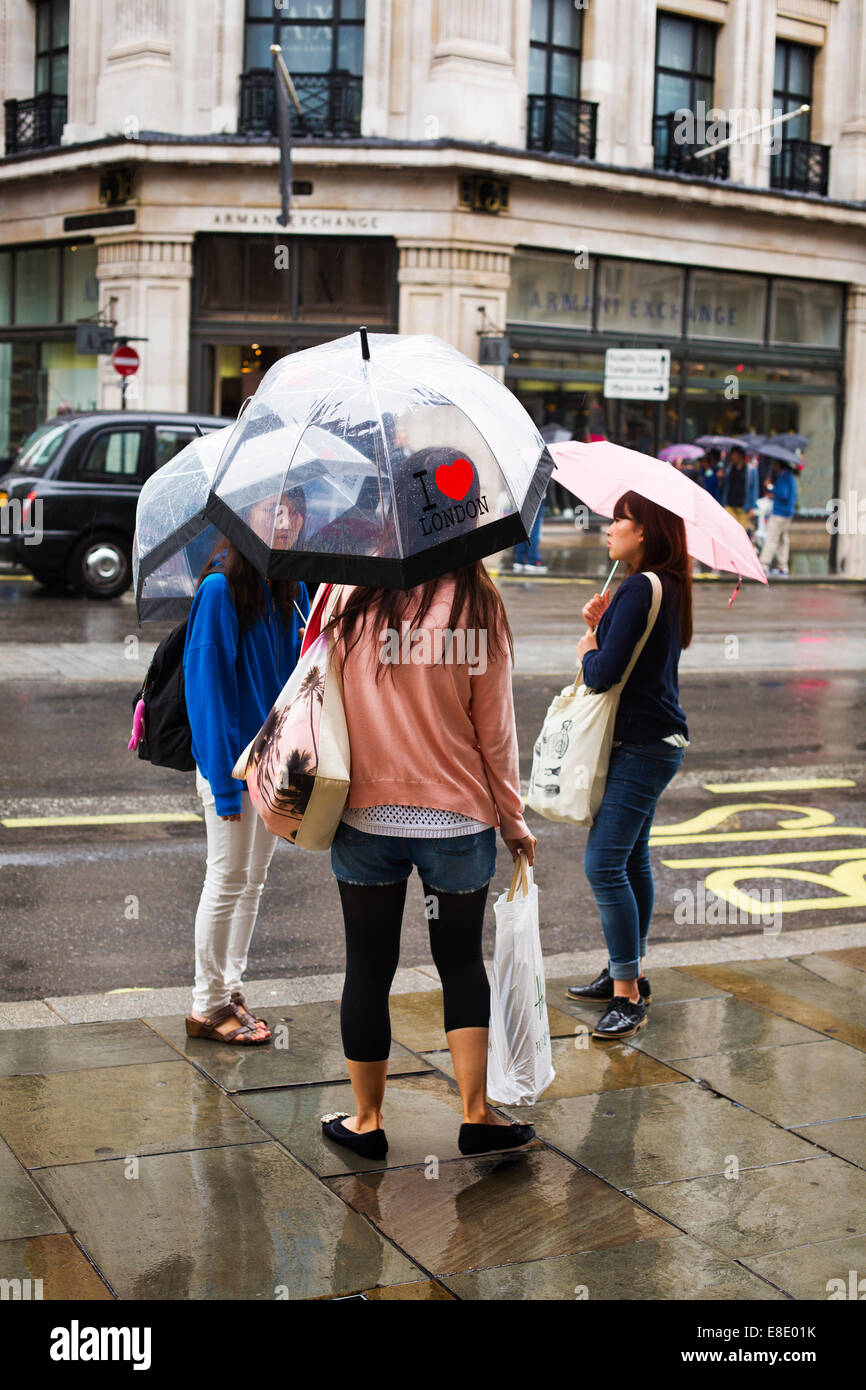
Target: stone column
[[140, 86], [150, 280], [848, 159], [618, 48], [851, 543], [444, 285]]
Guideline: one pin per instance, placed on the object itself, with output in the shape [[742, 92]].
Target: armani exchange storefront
[[749, 353]]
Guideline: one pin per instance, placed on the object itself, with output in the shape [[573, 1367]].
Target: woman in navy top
[[243, 642], [649, 737]]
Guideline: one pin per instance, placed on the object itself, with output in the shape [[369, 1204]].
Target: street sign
[[93, 339], [637, 374], [125, 361], [495, 352]]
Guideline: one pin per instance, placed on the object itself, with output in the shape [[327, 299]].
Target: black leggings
[[373, 917]]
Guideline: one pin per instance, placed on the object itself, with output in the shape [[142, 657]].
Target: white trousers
[[776, 546], [238, 856]]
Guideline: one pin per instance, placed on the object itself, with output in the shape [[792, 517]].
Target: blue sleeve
[[211, 685], [627, 621], [751, 489]]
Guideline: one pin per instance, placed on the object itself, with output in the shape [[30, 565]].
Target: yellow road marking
[[743, 835], [793, 784], [141, 818], [717, 815], [17, 578], [795, 857], [132, 989]]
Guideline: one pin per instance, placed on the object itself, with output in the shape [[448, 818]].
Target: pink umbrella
[[599, 474]]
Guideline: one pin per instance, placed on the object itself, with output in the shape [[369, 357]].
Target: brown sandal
[[207, 1029], [246, 1017]]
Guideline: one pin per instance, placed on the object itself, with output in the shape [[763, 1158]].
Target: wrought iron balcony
[[676, 155], [801, 166], [561, 125], [34, 123], [330, 101]]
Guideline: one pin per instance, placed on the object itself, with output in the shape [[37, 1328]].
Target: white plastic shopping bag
[[519, 1060]]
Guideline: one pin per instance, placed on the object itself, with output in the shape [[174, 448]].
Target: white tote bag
[[572, 752], [519, 1060]]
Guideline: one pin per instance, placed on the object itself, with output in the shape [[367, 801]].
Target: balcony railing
[[33, 123], [676, 155], [331, 104], [801, 166], [561, 125]]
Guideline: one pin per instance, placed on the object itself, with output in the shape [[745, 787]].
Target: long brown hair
[[664, 548], [376, 609], [245, 583]]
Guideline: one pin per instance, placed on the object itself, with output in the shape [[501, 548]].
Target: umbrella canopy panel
[[355, 470]]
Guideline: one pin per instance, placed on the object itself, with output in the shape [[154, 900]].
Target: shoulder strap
[[655, 605]]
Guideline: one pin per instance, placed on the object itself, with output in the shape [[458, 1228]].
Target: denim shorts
[[460, 864]]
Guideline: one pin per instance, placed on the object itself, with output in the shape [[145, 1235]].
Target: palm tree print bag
[[297, 766]]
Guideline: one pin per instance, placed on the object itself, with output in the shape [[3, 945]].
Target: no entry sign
[[125, 361]]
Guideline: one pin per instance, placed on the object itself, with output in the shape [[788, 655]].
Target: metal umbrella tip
[[365, 346]]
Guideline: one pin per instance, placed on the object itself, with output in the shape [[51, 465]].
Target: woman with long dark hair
[[649, 738], [434, 769], [243, 641]]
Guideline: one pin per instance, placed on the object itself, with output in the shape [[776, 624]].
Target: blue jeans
[[458, 864], [617, 860], [527, 552]]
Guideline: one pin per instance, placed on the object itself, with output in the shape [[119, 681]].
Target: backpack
[[160, 729]]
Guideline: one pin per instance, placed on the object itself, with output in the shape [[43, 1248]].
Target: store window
[[550, 290], [684, 75], [806, 312], [637, 297], [341, 280], [37, 281], [326, 280], [80, 285], [726, 306]]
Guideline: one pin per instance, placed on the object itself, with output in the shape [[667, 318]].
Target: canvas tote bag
[[297, 766], [572, 752]]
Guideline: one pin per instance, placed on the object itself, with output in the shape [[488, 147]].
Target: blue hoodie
[[231, 681]]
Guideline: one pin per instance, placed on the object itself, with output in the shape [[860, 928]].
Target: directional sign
[[125, 360], [637, 374]]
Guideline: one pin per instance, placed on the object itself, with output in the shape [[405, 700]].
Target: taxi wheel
[[101, 567]]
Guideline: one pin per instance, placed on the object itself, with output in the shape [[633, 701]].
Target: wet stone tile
[[422, 1118], [58, 1263], [836, 972], [305, 1048], [491, 1211], [847, 1138], [766, 1209], [852, 955], [668, 985], [79, 1047], [416, 1021], [23, 1209], [675, 1269], [795, 1085], [659, 1133], [117, 1112], [818, 1271], [427, 1292], [702, 1026], [246, 1222], [787, 989], [592, 1066]]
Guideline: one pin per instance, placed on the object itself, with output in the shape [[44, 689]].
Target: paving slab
[[659, 1133], [766, 1209], [417, 1023], [794, 1085], [840, 973], [428, 1292], [23, 1209], [422, 1117], [668, 985], [492, 1211], [305, 1049], [112, 1112], [847, 1138], [80, 1047], [593, 1066], [676, 1269], [787, 989], [30, 1013], [702, 1026], [57, 1261], [818, 1271], [851, 955], [245, 1222]]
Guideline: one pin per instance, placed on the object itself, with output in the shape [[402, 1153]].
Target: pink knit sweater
[[438, 735]]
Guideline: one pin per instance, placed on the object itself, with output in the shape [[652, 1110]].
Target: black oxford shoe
[[620, 1019], [601, 989]]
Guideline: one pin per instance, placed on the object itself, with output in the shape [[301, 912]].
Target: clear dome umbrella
[[382, 461]]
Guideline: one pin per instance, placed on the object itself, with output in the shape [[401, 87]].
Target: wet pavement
[[718, 1155]]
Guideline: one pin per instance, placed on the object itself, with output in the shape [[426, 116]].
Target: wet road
[[773, 689]]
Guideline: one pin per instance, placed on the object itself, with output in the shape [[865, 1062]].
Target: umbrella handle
[[609, 578]]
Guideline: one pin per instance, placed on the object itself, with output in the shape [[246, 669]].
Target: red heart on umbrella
[[454, 479]]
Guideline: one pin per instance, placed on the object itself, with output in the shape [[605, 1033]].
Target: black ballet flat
[[373, 1144], [484, 1139]]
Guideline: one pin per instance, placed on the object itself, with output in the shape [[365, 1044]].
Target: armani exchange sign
[[301, 221]]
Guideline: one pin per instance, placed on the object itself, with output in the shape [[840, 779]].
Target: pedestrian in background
[[527, 556], [775, 550], [649, 738], [763, 510], [434, 769], [739, 492], [242, 644]]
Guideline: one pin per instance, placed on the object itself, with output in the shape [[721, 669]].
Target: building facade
[[528, 169]]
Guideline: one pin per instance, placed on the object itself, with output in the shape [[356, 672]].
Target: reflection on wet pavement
[[719, 1154]]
